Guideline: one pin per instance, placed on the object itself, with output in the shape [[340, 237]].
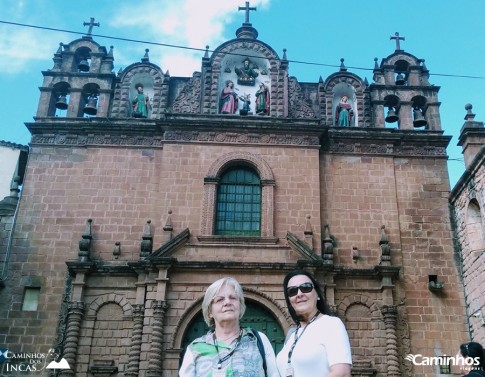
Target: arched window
[[474, 226], [238, 205]]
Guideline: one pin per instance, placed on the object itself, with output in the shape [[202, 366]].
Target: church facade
[[142, 189]]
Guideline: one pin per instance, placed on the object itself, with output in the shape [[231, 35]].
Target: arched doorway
[[256, 317]]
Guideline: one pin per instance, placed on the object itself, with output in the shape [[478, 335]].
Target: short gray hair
[[212, 292]]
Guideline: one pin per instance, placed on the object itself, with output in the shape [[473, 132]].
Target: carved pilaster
[[74, 317], [327, 246], [147, 241], [155, 364], [210, 188], [136, 339], [389, 313], [85, 243]]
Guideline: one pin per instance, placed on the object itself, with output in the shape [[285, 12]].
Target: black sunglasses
[[304, 288]]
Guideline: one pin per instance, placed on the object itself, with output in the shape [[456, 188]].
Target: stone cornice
[[377, 141], [217, 129]]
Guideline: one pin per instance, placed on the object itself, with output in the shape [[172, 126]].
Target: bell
[[83, 65], [91, 107], [400, 79], [61, 103], [391, 116], [419, 120]]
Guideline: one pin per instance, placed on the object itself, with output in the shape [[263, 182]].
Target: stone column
[[136, 340], [405, 116], [389, 313], [155, 362], [74, 317]]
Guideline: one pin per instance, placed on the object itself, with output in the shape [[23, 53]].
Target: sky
[[448, 34]]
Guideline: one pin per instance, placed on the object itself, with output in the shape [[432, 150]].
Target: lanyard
[[297, 337], [219, 364]]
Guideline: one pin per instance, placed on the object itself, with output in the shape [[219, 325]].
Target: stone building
[[143, 188], [12, 169], [467, 200]]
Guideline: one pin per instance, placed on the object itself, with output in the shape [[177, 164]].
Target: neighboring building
[[13, 159], [468, 202], [129, 212]]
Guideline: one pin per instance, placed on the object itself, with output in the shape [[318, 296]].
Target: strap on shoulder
[[261, 349]]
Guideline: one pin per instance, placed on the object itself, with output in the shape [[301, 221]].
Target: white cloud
[[188, 23], [19, 48]]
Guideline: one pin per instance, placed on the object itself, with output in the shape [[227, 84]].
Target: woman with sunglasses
[[472, 360], [228, 350], [320, 344]]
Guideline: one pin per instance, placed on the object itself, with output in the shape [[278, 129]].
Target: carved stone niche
[[103, 368], [363, 368]]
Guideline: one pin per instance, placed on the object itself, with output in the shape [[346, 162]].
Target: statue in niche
[[229, 101], [246, 100], [246, 74], [344, 113], [141, 103], [262, 100]]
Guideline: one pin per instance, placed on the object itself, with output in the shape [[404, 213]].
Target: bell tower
[[402, 94], [80, 84]]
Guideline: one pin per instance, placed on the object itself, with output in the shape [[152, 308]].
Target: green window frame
[[238, 205]]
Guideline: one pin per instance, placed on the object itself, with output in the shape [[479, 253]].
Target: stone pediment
[[169, 247], [302, 248]]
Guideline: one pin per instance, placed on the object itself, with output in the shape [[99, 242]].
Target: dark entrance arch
[[256, 316]]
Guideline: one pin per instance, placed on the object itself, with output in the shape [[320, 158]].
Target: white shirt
[[324, 343]]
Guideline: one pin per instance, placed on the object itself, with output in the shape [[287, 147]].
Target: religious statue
[[229, 99], [246, 99], [262, 100], [344, 112], [246, 74], [141, 103]]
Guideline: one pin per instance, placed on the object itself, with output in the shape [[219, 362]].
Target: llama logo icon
[[63, 364]]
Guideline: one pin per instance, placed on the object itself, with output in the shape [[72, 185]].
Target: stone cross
[[91, 24], [247, 8], [397, 38]]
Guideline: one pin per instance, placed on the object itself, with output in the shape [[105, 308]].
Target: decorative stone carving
[[389, 313], [188, 101], [155, 364], [74, 317], [136, 340], [297, 106], [85, 243], [146, 246]]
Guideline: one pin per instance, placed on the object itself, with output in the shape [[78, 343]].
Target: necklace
[[297, 337], [221, 360]]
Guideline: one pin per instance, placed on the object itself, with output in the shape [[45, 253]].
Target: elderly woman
[[320, 345], [471, 359], [228, 349]]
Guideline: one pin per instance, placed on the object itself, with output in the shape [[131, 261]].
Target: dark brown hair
[[322, 305]]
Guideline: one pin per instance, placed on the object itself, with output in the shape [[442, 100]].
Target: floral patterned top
[[202, 357]]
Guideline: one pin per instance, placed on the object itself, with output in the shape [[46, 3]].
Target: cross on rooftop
[[91, 24], [247, 8], [397, 38]]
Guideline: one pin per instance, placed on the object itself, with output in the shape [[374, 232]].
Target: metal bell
[[83, 65], [91, 107], [391, 116], [61, 103], [400, 79], [419, 120]]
